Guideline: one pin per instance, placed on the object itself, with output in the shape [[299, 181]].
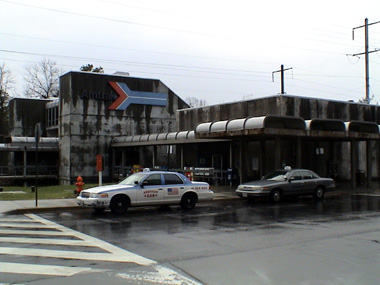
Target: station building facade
[[137, 121]]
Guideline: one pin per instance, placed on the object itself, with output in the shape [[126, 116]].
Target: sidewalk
[[221, 193], [29, 206]]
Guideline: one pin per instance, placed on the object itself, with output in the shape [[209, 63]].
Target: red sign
[[99, 162]]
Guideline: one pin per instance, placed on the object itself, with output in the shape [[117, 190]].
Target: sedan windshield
[[277, 175], [131, 180]]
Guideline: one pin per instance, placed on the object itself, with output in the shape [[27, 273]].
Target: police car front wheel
[[119, 204]]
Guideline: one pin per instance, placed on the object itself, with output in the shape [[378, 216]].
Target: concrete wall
[[336, 155], [24, 114], [87, 126], [306, 108]]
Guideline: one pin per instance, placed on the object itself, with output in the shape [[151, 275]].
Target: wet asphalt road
[[298, 241]]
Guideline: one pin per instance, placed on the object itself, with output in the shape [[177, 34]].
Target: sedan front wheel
[[275, 195], [319, 193]]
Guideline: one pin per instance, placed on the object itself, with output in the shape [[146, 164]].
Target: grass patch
[[44, 192]]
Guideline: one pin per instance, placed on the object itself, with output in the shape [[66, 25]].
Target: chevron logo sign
[[128, 97]]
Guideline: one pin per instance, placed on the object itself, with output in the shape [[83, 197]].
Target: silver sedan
[[287, 182]]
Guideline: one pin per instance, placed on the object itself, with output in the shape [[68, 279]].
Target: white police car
[[147, 188]]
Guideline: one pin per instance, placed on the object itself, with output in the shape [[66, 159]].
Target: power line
[[104, 18], [165, 28], [155, 65]]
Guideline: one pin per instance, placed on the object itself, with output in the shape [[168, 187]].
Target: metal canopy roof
[[269, 126], [265, 125], [262, 127], [158, 139], [362, 127], [20, 143], [325, 125], [274, 122]]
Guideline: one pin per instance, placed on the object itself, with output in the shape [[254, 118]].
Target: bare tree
[[195, 102], [6, 84], [42, 80]]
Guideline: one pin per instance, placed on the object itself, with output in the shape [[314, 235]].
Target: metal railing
[[28, 170], [198, 174]]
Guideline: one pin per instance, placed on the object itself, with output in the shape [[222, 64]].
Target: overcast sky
[[219, 51]]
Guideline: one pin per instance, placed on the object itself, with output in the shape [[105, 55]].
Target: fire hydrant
[[79, 185]]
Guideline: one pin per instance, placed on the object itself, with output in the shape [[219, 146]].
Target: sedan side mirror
[[292, 178]]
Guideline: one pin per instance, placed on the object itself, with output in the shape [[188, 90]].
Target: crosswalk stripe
[[25, 226], [7, 267], [39, 233], [46, 241], [13, 220], [120, 255], [65, 254]]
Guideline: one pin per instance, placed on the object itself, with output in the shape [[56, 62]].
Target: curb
[[77, 208], [41, 210], [220, 197]]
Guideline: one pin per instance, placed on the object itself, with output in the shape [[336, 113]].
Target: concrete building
[[136, 121]]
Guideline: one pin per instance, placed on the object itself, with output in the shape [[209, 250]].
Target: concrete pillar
[[277, 153], [25, 172], [262, 158], [231, 154], [154, 155], [182, 159], [123, 157], [25, 162], [353, 147], [332, 159], [242, 150], [369, 163], [231, 165], [299, 153]]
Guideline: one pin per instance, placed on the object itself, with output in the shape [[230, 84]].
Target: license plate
[[245, 195]]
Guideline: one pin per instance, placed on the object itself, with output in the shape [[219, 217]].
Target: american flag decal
[[173, 191]]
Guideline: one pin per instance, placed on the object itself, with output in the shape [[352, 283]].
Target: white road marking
[[39, 233], [7, 267], [124, 256], [162, 275], [16, 220], [46, 241], [151, 272], [111, 253], [26, 226]]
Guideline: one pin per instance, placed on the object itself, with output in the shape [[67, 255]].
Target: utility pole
[[366, 53], [282, 78]]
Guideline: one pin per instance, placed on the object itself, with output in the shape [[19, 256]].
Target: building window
[[52, 114]]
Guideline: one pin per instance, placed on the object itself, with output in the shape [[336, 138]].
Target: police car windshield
[[130, 180], [277, 175]]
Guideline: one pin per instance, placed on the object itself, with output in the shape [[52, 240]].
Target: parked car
[[146, 188], [287, 182]]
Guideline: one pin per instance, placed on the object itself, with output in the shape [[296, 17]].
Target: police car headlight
[[98, 195]]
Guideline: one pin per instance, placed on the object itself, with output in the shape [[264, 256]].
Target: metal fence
[[207, 174], [28, 170]]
